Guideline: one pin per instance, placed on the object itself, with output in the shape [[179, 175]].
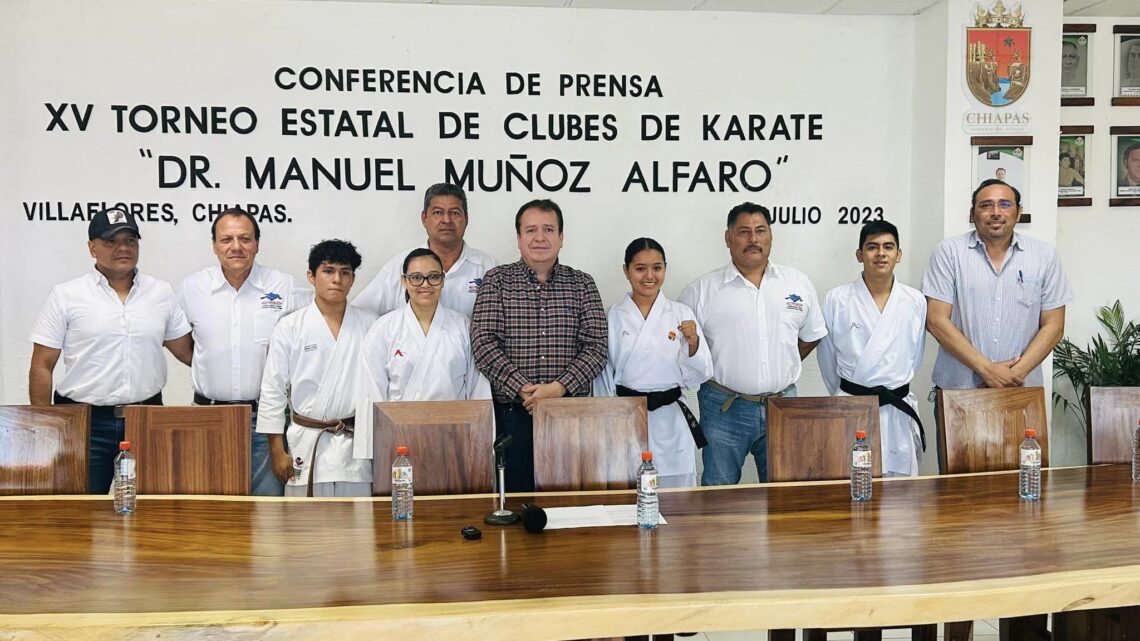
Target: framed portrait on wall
[[1071, 167], [1127, 67], [1126, 165], [1075, 65], [1007, 163]]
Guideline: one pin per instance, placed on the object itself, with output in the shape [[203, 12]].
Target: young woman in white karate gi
[[656, 350], [419, 352]]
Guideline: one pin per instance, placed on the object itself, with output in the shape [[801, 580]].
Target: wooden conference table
[[777, 556]]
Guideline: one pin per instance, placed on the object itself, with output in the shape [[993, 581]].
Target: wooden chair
[[809, 439], [190, 450], [981, 430], [43, 450], [1114, 412], [589, 443], [449, 443]]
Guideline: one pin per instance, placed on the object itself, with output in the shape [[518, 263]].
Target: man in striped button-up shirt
[[996, 299], [538, 330]]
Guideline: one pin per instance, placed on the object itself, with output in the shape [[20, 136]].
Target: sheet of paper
[[561, 518]]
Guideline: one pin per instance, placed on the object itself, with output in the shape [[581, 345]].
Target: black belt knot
[[656, 400], [894, 397]]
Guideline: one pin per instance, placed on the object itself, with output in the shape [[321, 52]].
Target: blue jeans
[[262, 480], [732, 435]]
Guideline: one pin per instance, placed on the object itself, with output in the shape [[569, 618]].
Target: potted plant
[[1111, 363]]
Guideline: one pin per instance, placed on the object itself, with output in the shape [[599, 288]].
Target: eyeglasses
[[417, 279], [988, 205]]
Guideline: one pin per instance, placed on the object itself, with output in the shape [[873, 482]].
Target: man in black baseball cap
[[110, 325], [108, 222]]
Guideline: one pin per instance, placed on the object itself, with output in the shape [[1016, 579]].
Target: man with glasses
[[995, 299], [444, 217]]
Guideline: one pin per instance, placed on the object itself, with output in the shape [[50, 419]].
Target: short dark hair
[[445, 189], [334, 252], [1128, 151], [875, 228], [235, 211], [990, 182], [748, 208], [640, 245], [544, 204], [420, 252]]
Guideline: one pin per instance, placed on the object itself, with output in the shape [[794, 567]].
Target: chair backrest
[[589, 443], [190, 450], [449, 443], [43, 450], [1115, 411], [810, 439], [981, 430]]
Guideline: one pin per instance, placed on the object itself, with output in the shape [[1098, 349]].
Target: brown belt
[[332, 427], [754, 398]]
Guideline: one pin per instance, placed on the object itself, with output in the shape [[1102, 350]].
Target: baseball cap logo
[[116, 216]]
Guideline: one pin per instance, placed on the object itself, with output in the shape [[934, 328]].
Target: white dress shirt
[[232, 327], [754, 332], [386, 292], [112, 350]]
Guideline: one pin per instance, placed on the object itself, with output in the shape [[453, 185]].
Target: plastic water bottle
[[1136, 453], [124, 481], [861, 468], [1029, 480], [402, 493], [648, 511]]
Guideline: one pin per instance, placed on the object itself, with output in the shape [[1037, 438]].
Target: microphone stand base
[[501, 517]]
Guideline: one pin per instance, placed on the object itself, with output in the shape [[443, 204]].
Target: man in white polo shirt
[[760, 320], [110, 326], [445, 219], [233, 307]]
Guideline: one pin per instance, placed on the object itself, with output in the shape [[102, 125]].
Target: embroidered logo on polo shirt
[[795, 302], [272, 301], [473, 285], [399, 353]]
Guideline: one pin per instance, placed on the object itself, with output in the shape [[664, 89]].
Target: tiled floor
[[983, 631]]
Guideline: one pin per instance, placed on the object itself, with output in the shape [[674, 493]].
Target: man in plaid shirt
[[538, 331]]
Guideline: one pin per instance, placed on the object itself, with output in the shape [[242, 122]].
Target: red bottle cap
[[860, 434], [1030, 433], [647, 456], [124, 445], [402, 451]]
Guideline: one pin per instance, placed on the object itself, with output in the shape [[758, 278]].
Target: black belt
[[655, 400], [108, 411], [894, 397], [202, 400]]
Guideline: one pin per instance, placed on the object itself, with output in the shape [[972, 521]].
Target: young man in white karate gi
[[312, 368], [876, 331]]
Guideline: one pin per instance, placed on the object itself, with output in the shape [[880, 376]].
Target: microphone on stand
[[502, 516]]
